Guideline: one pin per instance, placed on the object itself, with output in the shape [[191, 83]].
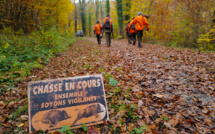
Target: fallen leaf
[[207, 121], [140, 103], [158, 95], [123, 128], [205, 111], [174, 121], [167, 125], [130, 127], [20, 125], [11, 104], [92, 130], [2, 104], [140, 122], [151, 112], [24, 117]]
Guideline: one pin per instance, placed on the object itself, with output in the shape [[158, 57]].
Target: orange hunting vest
[[98, 28], [132, 30], [139, 22], [109, 20]]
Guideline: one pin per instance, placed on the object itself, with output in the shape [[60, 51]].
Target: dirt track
[[172, 89]]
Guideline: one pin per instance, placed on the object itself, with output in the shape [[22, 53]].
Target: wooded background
[[153, 89], [185, 23]]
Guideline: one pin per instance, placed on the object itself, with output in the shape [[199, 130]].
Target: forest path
[[183, 72], [168, 89]]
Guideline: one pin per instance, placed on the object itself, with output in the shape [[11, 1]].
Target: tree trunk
[[127, 10], [82, 14], [213, 21], [75, 18], [2, 15], [89, 17], [120, 16], [107, 7], [101, 9], [97, 10]]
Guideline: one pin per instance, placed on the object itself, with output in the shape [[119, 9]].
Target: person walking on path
[[139, 22], [132, 31], [108, 29], [128, 34], [98, 31]]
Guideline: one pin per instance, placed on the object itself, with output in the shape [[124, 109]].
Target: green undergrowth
[[21, 53], [203, 47]]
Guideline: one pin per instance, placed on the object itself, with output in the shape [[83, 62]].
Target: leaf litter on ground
[[155, 89]]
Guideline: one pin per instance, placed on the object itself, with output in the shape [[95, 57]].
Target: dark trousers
[[108, 38], [98, 38], [129, 38], [139, 37], [133, 37]]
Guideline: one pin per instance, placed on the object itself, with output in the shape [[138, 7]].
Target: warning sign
[[66, 102]]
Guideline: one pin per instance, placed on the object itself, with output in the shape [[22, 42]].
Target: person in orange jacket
[[98, 31], [108, 29], [139, 22], [132, 31], [127, 28], [128, 34]]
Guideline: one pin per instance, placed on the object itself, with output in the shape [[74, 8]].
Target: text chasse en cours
[[49, 88]]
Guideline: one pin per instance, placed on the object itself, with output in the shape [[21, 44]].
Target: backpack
[[133, 26], [107, 24]]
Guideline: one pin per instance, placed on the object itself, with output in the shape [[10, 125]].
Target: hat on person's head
[[139, 13], [107, 15], [97, 21]]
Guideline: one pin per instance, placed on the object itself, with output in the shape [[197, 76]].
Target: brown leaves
[[92, 130], [207, 121], [175, 120], [169, 90], [140, 122], [2, 104], [12, 104], [158, 95], [205, 110], [167, 125], [151, 112], [131, 127], [140, 103], [24, 117], [123, 128]]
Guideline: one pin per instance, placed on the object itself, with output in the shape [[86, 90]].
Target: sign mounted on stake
[[66, 102]]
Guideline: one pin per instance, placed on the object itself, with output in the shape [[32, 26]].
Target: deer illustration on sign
[[91, 110], [53, 117]]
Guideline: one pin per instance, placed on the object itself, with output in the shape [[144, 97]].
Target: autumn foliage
[[29, 15], [175, 23]]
